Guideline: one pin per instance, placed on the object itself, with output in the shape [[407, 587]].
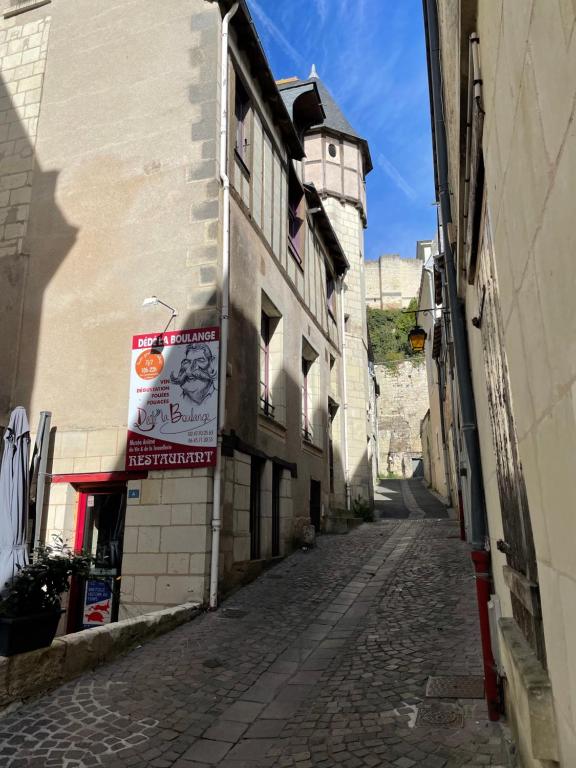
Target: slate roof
[[334, 120]]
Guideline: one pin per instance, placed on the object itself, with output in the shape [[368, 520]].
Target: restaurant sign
[[173, 409]]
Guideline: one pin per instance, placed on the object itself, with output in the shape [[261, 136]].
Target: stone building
[[336, 163], [162, 162], [503, 98], [392, 282], [437, 431]]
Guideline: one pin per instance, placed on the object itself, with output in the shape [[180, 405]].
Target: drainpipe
[[467, 406], [345, 398], [225, 307]]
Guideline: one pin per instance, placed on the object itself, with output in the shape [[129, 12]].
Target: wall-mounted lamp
[[152, 301], [417, 339], [417, 336]]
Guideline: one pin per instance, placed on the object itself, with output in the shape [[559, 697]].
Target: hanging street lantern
[[417, 339]]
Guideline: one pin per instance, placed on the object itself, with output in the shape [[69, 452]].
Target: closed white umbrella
[[14, 496]]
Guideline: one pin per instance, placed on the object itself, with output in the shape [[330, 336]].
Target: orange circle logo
[[149, 364]]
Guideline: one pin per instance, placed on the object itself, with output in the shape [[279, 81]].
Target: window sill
[[270, 424], [310, 447]]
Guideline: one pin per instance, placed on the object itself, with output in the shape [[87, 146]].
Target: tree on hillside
[[389, 329]]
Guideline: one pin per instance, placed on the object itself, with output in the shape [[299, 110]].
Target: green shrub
[[389, 329], [361, 508], [37, 587]]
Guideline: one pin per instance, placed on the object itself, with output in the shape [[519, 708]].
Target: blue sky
[[371, 56]]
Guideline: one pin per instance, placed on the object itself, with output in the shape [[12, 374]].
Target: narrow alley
[[323, 661]]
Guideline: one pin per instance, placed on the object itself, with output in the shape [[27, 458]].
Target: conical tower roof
[[334, 120]]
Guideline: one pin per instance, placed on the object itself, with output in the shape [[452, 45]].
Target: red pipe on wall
[[481, 560]]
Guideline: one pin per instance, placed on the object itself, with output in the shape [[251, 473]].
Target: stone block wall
[[167, 534], [78, 451], [23, 47], [527, 56], [167, 541], [125, 193], [347, 224], [402, 405], [391, 281]]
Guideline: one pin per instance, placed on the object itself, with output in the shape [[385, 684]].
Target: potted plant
[[30, 608]]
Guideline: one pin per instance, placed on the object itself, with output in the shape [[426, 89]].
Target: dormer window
[[242, 115], [296, 214]]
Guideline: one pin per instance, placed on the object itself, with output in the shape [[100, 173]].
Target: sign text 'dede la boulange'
[[172, 419]]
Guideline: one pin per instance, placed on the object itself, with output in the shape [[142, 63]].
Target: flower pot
[[27, 633]]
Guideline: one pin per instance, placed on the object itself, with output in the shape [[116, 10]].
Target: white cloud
[[321, 10], [269, 26], [394, 174]]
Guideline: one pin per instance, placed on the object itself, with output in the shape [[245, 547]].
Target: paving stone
[[225, 730], [290, 690], [243, 711], [206, 751], [252, 749], [265, 729]]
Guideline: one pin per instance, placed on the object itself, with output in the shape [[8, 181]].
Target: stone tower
[[336, 163]]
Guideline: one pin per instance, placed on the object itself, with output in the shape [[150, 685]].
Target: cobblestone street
[[323, 661]]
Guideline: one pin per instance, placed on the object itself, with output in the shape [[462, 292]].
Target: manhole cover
[[457, 687], [212, 663], [233, 613], [440, 716]]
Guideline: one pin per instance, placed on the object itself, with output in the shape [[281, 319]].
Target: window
[[330, 292], [241, 113], [256, 470], [296, 213], [306, 425], [311, 411], [272, 374], [276, 480], [332, 410], [265, 389]]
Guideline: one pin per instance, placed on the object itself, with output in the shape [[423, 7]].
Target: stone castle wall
[[402, 405], [391, 281]]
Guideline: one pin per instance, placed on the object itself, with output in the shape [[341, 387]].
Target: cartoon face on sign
[[197, 373]]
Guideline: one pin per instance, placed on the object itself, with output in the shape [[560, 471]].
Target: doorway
[[99, 532], [255, 506], [276, 478], [315, 504]]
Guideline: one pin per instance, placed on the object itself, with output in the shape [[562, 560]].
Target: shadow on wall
[[243, 416], [22, 182]]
